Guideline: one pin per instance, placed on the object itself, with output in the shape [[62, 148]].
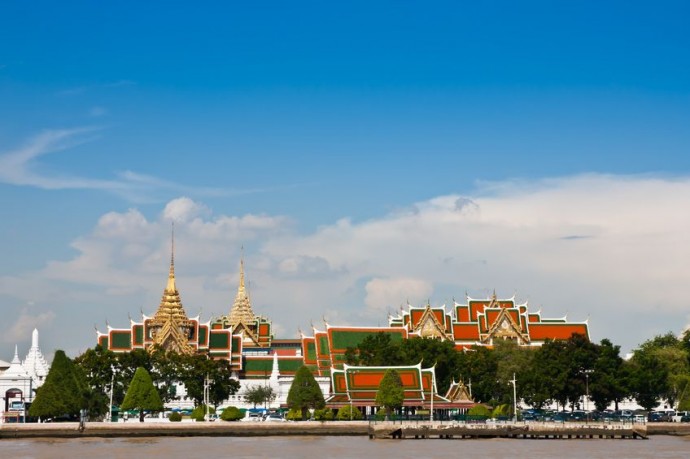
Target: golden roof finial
[[171, 276], [241, 311]]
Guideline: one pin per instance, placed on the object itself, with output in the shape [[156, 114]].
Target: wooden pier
[[545, 431]]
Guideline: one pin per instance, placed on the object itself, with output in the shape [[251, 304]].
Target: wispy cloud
[[21, 167]]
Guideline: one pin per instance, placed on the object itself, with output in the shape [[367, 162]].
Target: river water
[[340, 447]]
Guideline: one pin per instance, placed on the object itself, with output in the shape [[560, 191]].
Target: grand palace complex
[[256, 357]]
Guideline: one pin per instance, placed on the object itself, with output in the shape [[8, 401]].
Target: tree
[[376, 350], [305, 392], [390, 395], [658, 369], [194, 369], [441, 354], [608, 382], [259, 395], [142, 394], [64, 392]]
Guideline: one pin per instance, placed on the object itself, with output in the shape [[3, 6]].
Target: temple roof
[[241, 311], [170, 324], [16, 370], [34, 363]]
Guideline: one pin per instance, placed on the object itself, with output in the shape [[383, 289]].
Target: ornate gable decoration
[[458, 392], [504, 327], [429, 326]]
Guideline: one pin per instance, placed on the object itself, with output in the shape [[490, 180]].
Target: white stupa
[[16, 369], [35, 364]]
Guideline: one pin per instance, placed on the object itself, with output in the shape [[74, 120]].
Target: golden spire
[[241, 311], [171, 275], [170, 325]]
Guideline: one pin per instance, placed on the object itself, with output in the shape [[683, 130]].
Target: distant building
[[19, 380], [256, 357], [481, 322]]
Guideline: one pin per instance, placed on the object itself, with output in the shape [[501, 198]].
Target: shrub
[[175, 417], [479, 411], [344, 413], [325, 414], [501, 411], [231, 413], [199, 412], [295, 414]]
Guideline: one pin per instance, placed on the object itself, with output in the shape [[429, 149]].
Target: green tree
[[194, 369], [259, 395], [441, 354], [480, 366], [657, 371], [390, 395], [608, 380], [142, 394], [64, 391], [305, 392], [376, 350]]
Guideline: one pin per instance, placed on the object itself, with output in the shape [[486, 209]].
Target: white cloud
[[24, 324], [388, 294], [613, 249], [183, 210]]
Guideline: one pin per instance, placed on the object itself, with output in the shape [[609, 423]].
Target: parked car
[[274, 417], [251, 417]]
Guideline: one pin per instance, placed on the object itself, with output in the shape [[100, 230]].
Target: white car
[[274, 417], [251, 417]]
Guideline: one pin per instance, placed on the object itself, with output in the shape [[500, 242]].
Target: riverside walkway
[[547, 430], [375, 430]]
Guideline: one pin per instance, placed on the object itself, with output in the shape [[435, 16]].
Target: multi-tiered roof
[[170, 326]]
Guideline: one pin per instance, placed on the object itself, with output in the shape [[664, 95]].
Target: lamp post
[[206, 395], [514, 383], [112, 387], [587, 373]]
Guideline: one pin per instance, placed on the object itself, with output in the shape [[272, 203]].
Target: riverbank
[[183, 429], [266, 429]]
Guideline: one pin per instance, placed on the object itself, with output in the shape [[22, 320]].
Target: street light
[[587, 373], [514, 383], [207, 385], [112, 386]]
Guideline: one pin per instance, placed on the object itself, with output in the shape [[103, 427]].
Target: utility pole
[[206, 395], [514, 383], [587, 373], [112, 387]]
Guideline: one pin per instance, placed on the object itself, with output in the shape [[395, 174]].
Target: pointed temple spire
[[16, 369], [35, 364], [170, 325], [241, 311], [171, 275]]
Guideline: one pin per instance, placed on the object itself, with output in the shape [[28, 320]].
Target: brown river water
[[340, 447]]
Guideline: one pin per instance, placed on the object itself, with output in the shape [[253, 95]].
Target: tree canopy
[[390, 395], [64, 392], [305, 392], [142, 395]]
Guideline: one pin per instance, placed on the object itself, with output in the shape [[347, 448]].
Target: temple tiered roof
[[35, 364], [16, 370], [241, 311], [170, 326]]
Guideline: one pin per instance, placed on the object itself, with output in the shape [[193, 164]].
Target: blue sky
[[320, 120]]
